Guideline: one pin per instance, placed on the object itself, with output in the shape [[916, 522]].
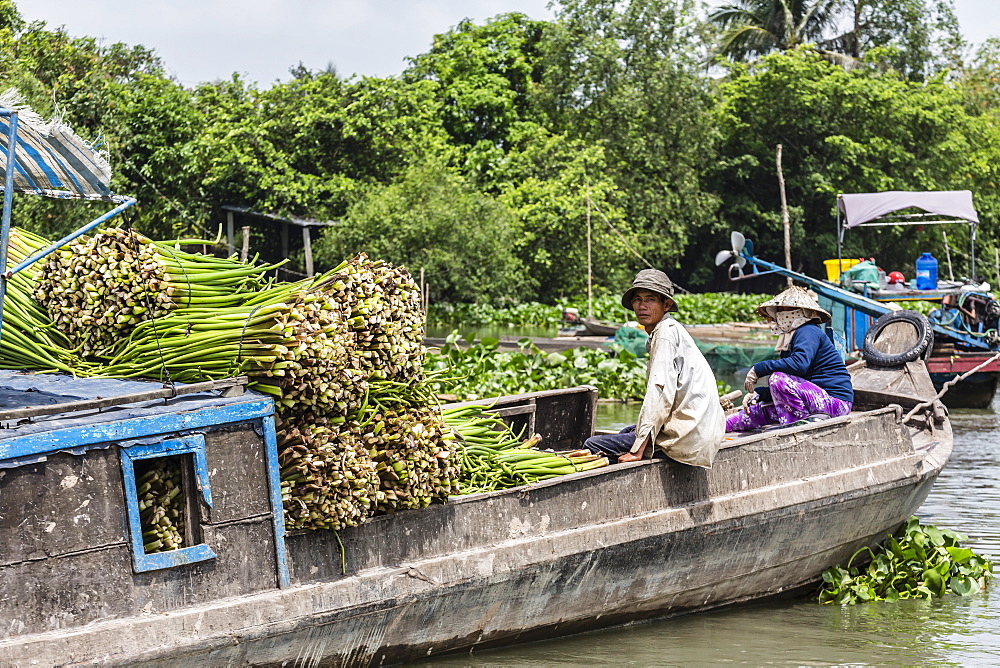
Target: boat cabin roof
[[33, 406]]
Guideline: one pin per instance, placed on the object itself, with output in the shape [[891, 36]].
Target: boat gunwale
[[733, 443]]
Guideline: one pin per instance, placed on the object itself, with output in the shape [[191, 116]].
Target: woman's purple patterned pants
[[792, 399]]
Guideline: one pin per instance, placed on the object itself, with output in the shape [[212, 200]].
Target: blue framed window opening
[[187, 452]]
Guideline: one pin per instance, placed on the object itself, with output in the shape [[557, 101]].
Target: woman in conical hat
[[808, 382]]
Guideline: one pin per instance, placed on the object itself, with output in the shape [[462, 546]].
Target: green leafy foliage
[[918, 561], [434, 222], [533, 129], [693, 309], [471, 370]]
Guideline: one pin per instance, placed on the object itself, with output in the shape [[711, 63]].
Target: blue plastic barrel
[[927, 267]]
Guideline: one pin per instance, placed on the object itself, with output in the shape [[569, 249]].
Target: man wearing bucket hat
[[809, 382], [681, 417]]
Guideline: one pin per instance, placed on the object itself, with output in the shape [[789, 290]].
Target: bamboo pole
[[590, 274], [784, 217], [423, 292], [947, 254], [245, 250]]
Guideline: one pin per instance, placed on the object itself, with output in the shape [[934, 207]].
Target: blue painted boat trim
[[141, 561], [8, 200], [192, 443], [277, 507], [126, 203], [77, 436], [862, 304]]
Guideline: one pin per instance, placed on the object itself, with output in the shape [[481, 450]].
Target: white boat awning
[[859, 208]]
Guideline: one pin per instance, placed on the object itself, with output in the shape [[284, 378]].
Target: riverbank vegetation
[[467, 369], [692, 309], [485, 164]]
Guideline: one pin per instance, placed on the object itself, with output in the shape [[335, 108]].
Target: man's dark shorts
[[614, 445]]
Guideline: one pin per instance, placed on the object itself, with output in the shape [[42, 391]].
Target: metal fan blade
[[738, 241], [722, 256], [741, 262]]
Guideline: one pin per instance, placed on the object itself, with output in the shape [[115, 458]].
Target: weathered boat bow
[[603, 547]]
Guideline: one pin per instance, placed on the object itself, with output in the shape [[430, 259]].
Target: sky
[[206, 40]]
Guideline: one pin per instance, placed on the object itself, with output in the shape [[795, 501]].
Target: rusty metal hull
[[594, 549]]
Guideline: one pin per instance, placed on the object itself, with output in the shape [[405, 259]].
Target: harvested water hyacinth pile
[[161, 507], [342, 354], [494, 457], [328, 477]]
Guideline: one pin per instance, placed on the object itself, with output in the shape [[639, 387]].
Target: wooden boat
[[595, 327], [592, 549]]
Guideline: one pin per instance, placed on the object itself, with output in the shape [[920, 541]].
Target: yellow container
[[833, 271]]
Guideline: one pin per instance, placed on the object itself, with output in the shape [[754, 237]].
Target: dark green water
[[949, 631]]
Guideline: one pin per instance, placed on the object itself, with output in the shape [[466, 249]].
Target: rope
[[632, 250], [239, 349], [947, 386]]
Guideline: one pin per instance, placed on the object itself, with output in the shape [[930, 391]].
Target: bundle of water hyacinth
[[393, 453], [415, 457], [292, 340], [29, 340], [328, 477], [97, 288], [383, 307]]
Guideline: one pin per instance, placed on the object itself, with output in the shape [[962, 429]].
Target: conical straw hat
[[793, 297]]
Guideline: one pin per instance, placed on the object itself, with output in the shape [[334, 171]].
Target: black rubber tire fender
[[923, 346]]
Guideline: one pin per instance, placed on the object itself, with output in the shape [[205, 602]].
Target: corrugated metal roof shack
[[69, 512]]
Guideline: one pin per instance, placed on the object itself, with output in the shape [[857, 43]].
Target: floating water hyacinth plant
[[918, 561]]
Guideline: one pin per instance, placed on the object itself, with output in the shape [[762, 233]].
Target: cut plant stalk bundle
[[98, 288], [328, 477], [30, 340], [161, 507], [494, 457], [383, 306], [415, 456], [314, 345], [291, 339]]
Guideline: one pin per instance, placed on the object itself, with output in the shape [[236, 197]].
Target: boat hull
[[595, 549]]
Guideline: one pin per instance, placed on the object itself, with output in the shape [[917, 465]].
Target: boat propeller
[[738, 242]]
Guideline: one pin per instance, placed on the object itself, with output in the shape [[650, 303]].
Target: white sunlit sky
[[206, 40]]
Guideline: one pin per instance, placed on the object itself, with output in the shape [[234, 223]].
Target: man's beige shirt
[[681, 408]]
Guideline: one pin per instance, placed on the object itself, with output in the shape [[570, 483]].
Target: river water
[[959, 631]]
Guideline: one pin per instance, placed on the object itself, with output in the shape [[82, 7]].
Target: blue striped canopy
[[50, 159]]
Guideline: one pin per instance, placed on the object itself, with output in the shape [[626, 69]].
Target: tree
[[626, 76], [862, 130], [914, 37], [551, 184], [314, 145], [487, 76], [431, 219], [753, 28]]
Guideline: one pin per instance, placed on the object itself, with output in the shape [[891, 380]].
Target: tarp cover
[[50, 158], [860, 208]]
